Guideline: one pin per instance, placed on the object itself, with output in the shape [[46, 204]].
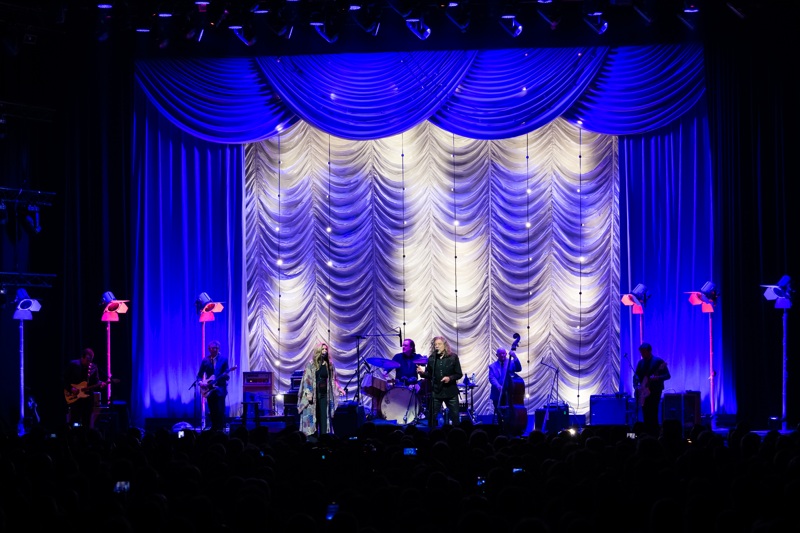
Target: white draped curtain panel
[[436, 234]]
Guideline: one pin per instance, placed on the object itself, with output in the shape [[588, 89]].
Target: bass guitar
[[512, 418], [208, 385]]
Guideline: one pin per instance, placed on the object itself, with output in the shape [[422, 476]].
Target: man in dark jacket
[[443, 370]]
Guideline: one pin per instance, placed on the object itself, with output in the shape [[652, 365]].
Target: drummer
[[406, 373]]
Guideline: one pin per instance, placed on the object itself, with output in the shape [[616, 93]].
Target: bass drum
[[400, 405]]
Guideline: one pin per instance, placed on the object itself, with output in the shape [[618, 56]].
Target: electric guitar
[[208, 385], [84, 391], [644, 387]]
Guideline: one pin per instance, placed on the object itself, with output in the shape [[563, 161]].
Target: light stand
[[707, 298], [782, 294], [25, 307], [205, 309], [112, 308], [636, 300]]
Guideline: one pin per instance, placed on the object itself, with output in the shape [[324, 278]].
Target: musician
[[406, 374], [443, 370], [213, 378], [501, 375], [648, 381], [81, 381], [317, 404]]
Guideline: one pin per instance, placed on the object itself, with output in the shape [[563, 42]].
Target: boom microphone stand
[[551, 395]]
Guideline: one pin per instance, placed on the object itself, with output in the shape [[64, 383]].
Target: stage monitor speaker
[[610, 409], [557, 418], [681, 406], [348, 418]]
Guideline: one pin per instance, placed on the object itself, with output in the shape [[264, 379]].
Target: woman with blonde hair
[[317, 404]]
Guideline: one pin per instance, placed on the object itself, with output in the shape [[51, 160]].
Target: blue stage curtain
[[192, 117]]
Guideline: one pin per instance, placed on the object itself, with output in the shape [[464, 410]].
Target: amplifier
[[296, 379], [257, 382], [610, 409], [552, 417], [685, 407]]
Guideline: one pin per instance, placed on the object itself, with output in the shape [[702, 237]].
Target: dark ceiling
[[473, 24], [45, 41]]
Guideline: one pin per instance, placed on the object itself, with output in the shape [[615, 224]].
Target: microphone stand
[[553, 387], [358, 364]]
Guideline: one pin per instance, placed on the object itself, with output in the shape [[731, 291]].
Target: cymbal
[[386, 364], [421, 361]]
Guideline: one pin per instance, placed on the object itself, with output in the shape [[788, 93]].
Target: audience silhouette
[[393, 479]]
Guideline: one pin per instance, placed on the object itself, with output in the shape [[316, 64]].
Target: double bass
[[514, 417]]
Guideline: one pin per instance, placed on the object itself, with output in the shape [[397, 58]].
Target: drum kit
[[402, 400]]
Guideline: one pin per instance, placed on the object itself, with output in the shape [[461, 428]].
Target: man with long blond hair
[[443, 370]]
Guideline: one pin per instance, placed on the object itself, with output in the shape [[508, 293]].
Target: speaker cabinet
[[552, 418], [684, 407], [349, 416], [610, 409]]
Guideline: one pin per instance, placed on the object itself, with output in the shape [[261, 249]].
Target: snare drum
[[373, 386], [400, 405]]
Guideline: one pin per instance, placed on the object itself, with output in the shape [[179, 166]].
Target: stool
[[256, 408]]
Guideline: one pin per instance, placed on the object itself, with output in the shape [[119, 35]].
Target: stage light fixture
[[326, 24], [280, 22], [706, 297], [510, 23], [689, 14], [112, 307], [597, 23], [163, 28], [206, 307], [25, 305], [459, 14], [416, 23], [646, 9], [637, 298], [780, 292], [550, 13], [31, 220], [367, 16], [103, 21]]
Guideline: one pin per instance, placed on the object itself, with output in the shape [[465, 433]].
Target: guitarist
[[213, 375], [648, 381], [81, 380], [501, 374]]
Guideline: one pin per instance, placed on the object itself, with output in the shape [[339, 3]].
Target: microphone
[[400, 335]]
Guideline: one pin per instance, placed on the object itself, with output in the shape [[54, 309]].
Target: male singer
[[443, 370]]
